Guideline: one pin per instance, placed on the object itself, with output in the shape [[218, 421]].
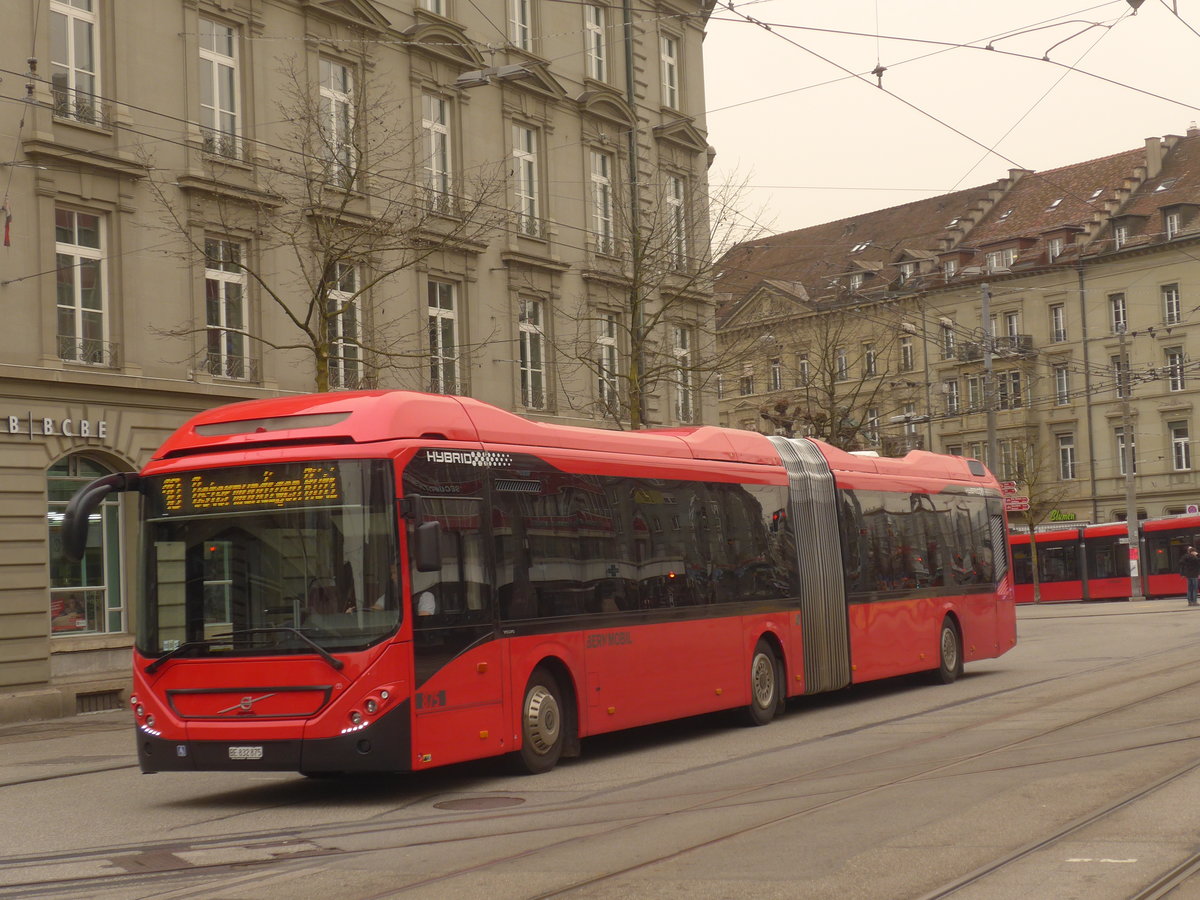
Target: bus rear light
[[371, 706], [150, 720], [384, 694], [356, 718], [133, 700], [140, 710]]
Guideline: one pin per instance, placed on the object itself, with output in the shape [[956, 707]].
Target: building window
[[746, 383], [74, 68], [530, 323], [948, 341], [1120, 436], [443, 337], [606, 360], [1062, 385], [1008, 390], [1001, 259], [525, 172], [1066, 457], [803, 373], [950, 389], [595, 37], [842, 364], [974, 393], [1120, 236], [677, 222], [225, 309], [1117, 316], [910, 412], [1171, 223], [856, 280], [602, 201], [1181, 446], [775, 375], [520, 23], [80, 290], [219, 125], [871, 425], [85, 596], [907, 270], [949, 269], [1058, 323], [1176, 380], [435, 123], [345, 328], [979, 450], [669, 56], [337, 117], [869, 360], [907, 361], [1012, 324], [685, 401], [434, 6], [1054, 249], [954, 450], [1172, 313], [1120, 372]]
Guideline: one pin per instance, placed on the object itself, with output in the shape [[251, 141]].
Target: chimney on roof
[[1154, 157], [1192, 129]]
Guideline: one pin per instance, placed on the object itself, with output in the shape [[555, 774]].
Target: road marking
[[1089, 860]]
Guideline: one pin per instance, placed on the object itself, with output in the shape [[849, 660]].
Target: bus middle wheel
[[949, 653], [542, 721], [765, 685]]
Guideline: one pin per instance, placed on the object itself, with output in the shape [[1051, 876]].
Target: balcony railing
[[221, 143], [80, 107], [341, 380], [1012, 344], [103, 354], [236, 368]]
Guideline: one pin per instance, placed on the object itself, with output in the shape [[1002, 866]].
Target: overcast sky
[[818, 144]]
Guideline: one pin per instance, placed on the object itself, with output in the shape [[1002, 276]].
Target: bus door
[[457, 663]]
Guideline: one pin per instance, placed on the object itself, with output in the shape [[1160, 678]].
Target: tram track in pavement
[[241, 856]]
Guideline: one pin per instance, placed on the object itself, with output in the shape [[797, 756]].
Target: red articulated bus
[[390, 581]]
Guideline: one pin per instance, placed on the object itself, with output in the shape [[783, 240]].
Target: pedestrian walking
[[1189, 568]]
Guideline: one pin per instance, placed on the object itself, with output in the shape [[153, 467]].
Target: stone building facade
[[1050, 315], [208, 201]]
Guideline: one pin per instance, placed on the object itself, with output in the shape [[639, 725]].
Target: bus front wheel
[[765, 684], [949, 653], [542, 733]]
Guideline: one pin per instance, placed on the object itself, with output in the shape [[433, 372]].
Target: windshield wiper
[[223, 638], [178, 651], [283, 629]]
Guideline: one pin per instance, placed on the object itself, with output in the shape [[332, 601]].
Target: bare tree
[[849, 366], [354, 193], [648, 336], [1035, 475]]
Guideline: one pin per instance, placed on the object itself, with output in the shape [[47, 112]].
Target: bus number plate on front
[[245, 752]]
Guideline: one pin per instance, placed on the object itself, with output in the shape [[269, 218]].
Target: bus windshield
[[269, 559]]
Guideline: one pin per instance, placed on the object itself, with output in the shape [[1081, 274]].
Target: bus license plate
[[245, 752]]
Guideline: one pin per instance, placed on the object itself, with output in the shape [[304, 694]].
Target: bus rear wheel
[[542, 734], [949, 653], [765, 684]]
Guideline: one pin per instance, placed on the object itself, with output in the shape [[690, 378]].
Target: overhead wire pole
[[1125, 387], [989, 401]]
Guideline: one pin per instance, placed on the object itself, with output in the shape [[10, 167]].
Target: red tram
[[1092, 562], [389, 581]]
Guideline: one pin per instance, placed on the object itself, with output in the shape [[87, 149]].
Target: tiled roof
[[814, 256], [1023, 212]]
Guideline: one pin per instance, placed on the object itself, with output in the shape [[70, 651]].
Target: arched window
[[85, 596]]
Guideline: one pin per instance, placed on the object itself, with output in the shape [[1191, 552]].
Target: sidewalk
[[1104, 607]]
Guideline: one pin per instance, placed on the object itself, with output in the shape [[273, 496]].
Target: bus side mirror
[[427, 547], [83, 504]]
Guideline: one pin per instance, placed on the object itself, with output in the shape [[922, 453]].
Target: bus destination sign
[[247, 488]]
